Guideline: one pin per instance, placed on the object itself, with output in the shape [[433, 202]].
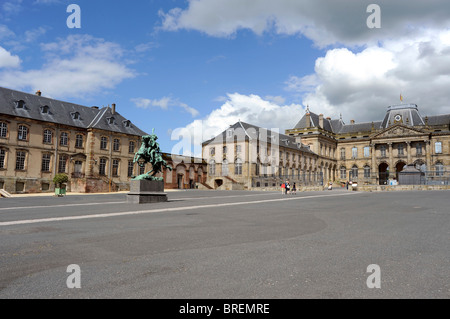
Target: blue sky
[[198, 66]]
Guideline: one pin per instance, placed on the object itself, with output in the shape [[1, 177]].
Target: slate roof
[[60, 112], [409, 112], [244, 131]]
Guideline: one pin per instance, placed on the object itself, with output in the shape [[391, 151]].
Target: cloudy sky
[[197, 66]]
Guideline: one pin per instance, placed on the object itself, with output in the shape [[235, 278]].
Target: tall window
[[355, 152], [343, 172], [212, 151], [102, 167], [238, 149], [401, 149], [46, 163], [238, 167], [419, 149], [3, 130], [48, 137], [383, 150], [439, 169], [225, 168], [79, 141], [2, 158], [367, 151], [20, 160], [62, 164], [115, 167], [64, 140], [116, 145], [104, 143], [367, 171], [131, 147], [438, 147], [342, 153], [22, 133], [355, 171], [130, 168], [212, 168]]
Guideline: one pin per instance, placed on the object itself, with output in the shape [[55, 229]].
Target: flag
[[401, 97]]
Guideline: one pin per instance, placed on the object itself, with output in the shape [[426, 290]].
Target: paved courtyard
[[236, 245]]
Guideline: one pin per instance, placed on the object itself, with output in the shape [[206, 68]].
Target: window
[[3, 130], [2, 158], [75, 116], [130, 168], [238, 167], [439, 169], [45, 109], [64, 139], [127, 123], [342, 153], [20, 104], [20, 160], [366, 171], [238, 148], [212, 151], [212, 167], [438, 147], [225, 151], [355, 171], [141, 170], [62, 164], [225, 168], [355, 152], [115, 167], [383, 151], [367, 151], [104, 143], [79, 141], [116, 145], [401, 149], [111, 120], [419, 149], [48, 137], [102, 167], [132, 147], [343, 173], [22, 133], [46, 163]]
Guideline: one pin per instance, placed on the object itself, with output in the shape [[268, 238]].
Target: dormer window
[[45, 109], [111, 120], [20, 104], [75, 116], [127, 123]]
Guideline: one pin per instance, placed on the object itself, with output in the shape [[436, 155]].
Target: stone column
[[391, 160], [428, 154], [374, 169], [408, 151]]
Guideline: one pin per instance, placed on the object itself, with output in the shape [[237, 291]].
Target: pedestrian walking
[[294, 189], [288, 188], [283, 188]]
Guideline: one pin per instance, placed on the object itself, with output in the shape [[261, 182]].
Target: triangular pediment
[[398, 130]]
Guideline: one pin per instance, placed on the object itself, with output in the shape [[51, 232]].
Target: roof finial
[[307, 109]]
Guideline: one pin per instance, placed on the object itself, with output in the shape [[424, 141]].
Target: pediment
[[398, 130]]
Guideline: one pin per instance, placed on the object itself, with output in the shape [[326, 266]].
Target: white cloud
[[323, 21], [7, 60], [251, 109], [164, 103], [75, 67], [362, 85]]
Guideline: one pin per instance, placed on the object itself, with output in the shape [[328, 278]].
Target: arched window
[[343, 172], [238, 167], [367, 171], [354, 171]]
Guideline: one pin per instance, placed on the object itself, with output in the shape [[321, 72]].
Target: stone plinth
[[146, 192]]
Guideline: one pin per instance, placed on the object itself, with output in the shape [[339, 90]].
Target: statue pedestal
[[146, 192]]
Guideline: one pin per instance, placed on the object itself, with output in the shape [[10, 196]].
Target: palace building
[[320, 150], [95, 147]]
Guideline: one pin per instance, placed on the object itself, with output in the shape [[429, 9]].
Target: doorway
[[383, 170]]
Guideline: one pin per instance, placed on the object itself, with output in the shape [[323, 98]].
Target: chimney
[[352, 121], [329, 118], [308, 120], [38, 93], [321, 120], [113, 109]]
